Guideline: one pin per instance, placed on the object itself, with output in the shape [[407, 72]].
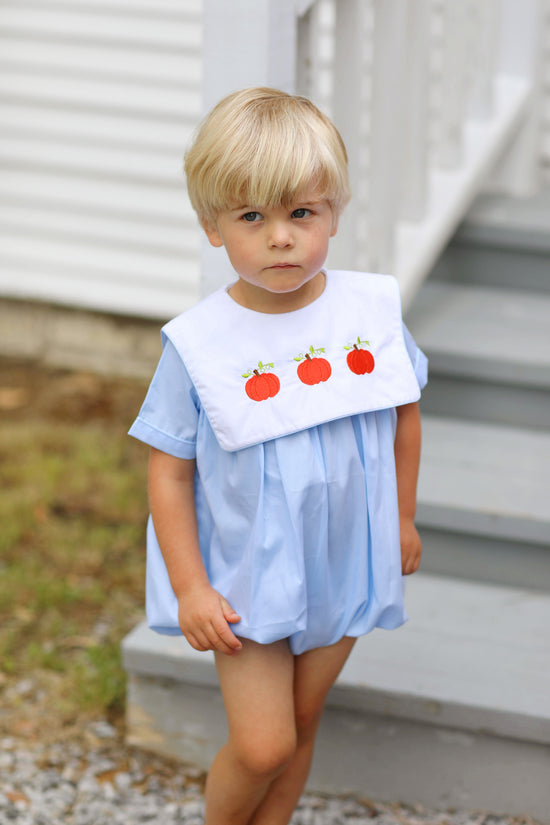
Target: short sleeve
[[169, 416], [418, 359]]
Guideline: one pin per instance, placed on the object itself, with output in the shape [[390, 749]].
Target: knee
[[264, 758]]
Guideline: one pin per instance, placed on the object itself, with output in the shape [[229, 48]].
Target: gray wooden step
[[504, 241], [462, 688], [489, 352], [483, 508]]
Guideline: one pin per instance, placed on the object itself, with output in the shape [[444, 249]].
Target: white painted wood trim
[[236, 56], [522, 55], [303, 6], [415, 101], [452, 192]]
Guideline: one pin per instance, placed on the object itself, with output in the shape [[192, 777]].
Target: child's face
[[275, 250]]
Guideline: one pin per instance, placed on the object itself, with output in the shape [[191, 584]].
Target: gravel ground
[[97, 780]]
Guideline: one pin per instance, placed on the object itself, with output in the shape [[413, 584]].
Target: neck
[[274, 303]]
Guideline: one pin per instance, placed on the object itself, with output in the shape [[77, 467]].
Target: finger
[[195, 643], [411, 566], [220, 646], [206, 636], [227, 639], [228, 612]]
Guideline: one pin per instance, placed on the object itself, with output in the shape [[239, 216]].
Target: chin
[[285, 290]]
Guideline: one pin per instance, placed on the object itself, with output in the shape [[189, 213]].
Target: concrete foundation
[[78, 339]]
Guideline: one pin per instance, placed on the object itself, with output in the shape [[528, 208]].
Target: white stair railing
[[431, 98]]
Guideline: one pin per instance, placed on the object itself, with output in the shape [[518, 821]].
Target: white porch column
[[245, 43]]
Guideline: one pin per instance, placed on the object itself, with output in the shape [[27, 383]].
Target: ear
[[212, 233], [334, 227]]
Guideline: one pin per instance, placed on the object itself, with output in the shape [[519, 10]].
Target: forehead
[[307, 197]]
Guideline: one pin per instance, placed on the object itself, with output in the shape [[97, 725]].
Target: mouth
[[282, 266]]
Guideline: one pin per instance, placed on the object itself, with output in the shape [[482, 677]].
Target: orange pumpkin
[[360, 361], [262, 385], [314, 370]]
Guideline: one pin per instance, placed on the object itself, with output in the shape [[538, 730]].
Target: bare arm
[[203, 613], [407, 462]]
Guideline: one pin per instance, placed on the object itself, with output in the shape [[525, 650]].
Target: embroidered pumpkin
[[312, 369], [360, 361], [261, 385]]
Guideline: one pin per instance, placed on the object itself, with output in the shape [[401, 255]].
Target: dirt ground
[[67, 402], [30, 391]]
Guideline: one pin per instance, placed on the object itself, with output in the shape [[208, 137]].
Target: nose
[[280, 234]]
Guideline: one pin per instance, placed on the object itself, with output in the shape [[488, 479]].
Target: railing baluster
[[484, 58], [348, 108], [452, 102], [416, 114], [313, 73], [521, 55], [386, 138]]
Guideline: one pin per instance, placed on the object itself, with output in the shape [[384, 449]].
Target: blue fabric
[[300, 533]]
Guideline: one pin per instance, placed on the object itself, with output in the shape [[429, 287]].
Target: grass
[[72, 555]]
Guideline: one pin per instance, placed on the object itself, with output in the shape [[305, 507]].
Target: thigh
[[257, 689], [315, 671]]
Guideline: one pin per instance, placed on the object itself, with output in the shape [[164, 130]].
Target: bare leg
[[257, 688], [314, 674]]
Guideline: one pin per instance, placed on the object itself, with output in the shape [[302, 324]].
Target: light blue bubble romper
[[291, 419]]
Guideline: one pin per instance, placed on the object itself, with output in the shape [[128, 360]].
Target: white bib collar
[[261, 376]]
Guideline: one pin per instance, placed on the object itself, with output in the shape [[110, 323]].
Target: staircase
[[453, 710], [484, 320]]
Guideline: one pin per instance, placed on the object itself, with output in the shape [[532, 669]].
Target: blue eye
[[301, 213], [252, 217]]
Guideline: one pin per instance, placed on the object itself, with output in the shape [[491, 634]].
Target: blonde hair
[[263, 147]]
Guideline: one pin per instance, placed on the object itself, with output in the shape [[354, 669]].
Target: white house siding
[[98, 99]]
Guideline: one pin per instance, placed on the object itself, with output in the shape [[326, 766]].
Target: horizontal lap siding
[[97, 102]]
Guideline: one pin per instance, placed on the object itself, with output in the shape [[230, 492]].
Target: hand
[[411, 547], [203, 616]]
